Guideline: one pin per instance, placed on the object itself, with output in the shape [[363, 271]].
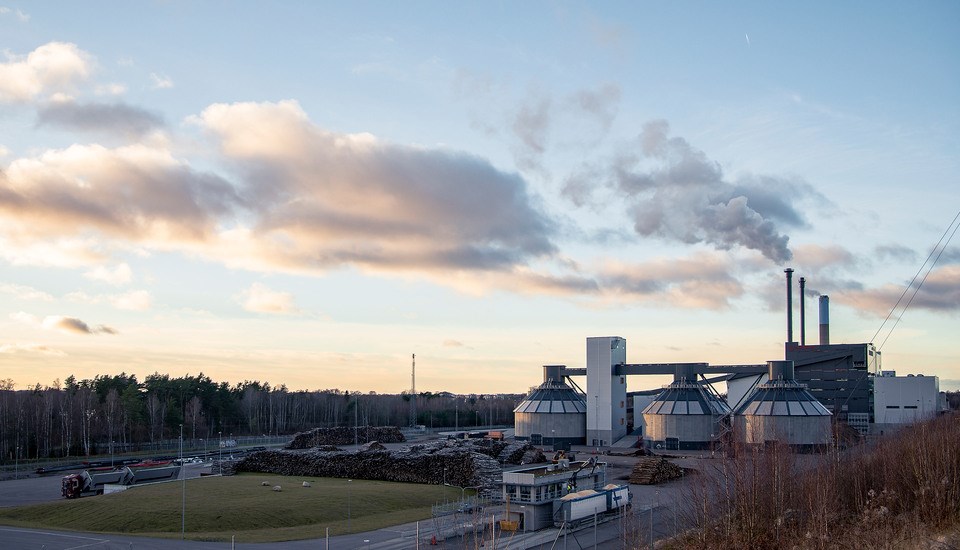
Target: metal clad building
[[783, 410], [554, 410], [684, 415]]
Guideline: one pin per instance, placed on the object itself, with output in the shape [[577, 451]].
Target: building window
[[909, 406], [621, 420]]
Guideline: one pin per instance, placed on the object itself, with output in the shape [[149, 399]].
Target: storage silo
[[553, 412], [685, 415], [783, 410]]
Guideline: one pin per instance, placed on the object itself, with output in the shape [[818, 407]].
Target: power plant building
[[685, 415], [553, 412], [783, 410]]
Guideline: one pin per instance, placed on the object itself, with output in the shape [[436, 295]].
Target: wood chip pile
[[345, 435], [652, 470]]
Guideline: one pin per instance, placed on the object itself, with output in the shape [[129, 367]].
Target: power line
[[938, 249]]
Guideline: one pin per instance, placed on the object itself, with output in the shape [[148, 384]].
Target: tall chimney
[[824, 320], [803, 314], [789, 272]]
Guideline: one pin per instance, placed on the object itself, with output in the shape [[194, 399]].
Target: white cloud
[[25, 318], [161, 82], [25, 292], [119, 275], [53, 67], [136, 300], [30, 348], [260, 299], [111, 88]]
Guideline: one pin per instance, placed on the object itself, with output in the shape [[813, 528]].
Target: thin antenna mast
[[413, 390]]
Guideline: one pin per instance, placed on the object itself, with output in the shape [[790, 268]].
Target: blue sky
[[306, 193]]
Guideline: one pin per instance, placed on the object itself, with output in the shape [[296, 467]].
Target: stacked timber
[[345, 435], [652, 470], [461, 463], [454, 466]]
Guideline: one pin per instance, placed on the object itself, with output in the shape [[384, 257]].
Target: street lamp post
[[349, 498], [220, 455]]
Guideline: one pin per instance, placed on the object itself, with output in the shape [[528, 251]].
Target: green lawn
[[218, 507]]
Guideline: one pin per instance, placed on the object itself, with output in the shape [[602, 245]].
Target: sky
[[307, 193]]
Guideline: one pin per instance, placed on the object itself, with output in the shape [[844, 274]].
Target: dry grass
[[901, 492], [219, 507]]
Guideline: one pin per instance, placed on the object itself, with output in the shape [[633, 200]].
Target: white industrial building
[[900, 400]]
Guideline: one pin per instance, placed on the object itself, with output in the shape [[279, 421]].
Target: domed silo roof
[[783, 410], [684, 415], [554, 410]]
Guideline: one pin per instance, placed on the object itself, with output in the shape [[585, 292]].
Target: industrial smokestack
[[789, 272], [824, 320], [803, 314]]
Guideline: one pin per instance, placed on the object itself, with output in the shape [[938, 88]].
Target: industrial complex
[[795, 400]]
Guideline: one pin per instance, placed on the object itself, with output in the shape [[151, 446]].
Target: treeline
[[87, 417]]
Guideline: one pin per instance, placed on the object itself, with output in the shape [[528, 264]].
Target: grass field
[[219, 507]]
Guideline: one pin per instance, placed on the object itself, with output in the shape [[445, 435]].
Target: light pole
[[220, 455], [16, 463], [111, 453], [183, 490], [349, 498]]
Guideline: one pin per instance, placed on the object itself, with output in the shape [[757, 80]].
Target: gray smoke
[[674, 191]]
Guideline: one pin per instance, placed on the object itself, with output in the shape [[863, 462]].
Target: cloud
[[20, 15], [530, 125], [119, 275], [53, 67], [895, 252], [135, 300], [73, 325], [702, 281], [161, 82], [109, 118], [814, 258], [940, 293], [602, 104], [452, 344], [111, 88], [674, 192], [30, 349], [129, 194], [22, 292], [325, 200], [260, 299]]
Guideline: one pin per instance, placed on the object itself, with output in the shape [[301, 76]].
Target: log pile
[[346, 436], [652, 470], [455, 466], [461, 463]]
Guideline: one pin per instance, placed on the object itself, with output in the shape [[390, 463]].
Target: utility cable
[[907, 288], [917, 290]]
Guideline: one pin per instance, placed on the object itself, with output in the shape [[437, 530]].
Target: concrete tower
[[606, 391]]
